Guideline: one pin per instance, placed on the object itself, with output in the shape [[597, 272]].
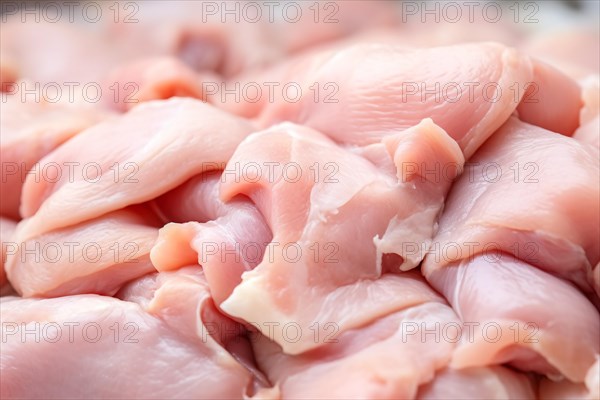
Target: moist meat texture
[[358, 204]]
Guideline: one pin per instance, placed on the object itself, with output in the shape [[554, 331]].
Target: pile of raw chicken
[[374, 238]]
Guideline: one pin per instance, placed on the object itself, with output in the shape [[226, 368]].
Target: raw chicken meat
[[568, 390], [228, 49], [94, 346], [387, 90], [385, 359], [8, 73], [152, 79], [142, 167], [517, 196], [589, 132], [494, 226], [96, 256], [225, 238], [576, 52], [300, 200], [190, 31], [30, 130], [540, 105], [238, 225], [504, 302], [596, 277], [479, 86], [7, 229], [66, 53], [310, 211], [589, 129], [422, 337], [478, 383]]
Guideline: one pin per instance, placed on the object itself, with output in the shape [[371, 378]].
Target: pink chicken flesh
[[167, 319], [369, 202]]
